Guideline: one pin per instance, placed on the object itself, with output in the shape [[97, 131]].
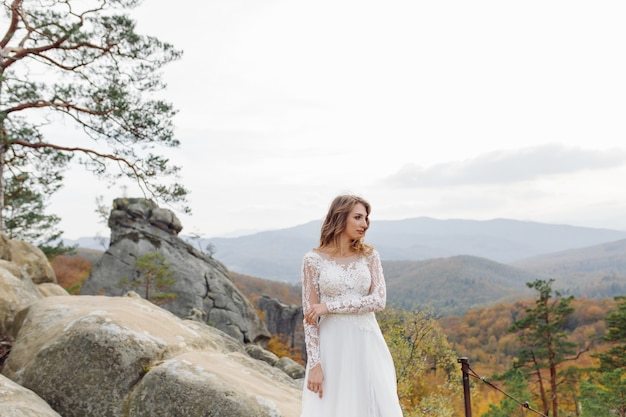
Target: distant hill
[[609, 256], [452, 286], [277, 254], [595, 272], [95, 243]]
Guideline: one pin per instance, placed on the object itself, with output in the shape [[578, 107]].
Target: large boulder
[[213, 384], [17, 292], [17, 401], [138, 228], [123, 356], [33, 261], [18, 289]]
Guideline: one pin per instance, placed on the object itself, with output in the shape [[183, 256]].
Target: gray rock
[[284, 320], [290, 367], [33, 261], [17, 401], [257, 352], [196, 314], [25, 277], [17, 292], [165, 220], [280, 318], [209, 384], [103, 356], [139, 227]]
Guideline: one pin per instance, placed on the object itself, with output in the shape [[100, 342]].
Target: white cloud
[[503, 167]]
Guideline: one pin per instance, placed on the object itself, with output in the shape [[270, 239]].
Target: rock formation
[[285, 320], [25, 277], [140, 227], [103, 356], [70, 356]]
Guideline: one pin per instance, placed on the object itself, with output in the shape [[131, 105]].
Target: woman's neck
[[344, 248]]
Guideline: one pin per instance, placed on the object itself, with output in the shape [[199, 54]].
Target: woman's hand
[[314, 312], [316, 379]]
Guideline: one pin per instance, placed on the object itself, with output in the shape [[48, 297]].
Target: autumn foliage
[[279, 345], [71, 271], [254, 288]]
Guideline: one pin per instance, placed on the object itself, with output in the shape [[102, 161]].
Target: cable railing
[[469, 372]]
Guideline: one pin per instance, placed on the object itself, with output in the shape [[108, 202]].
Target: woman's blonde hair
[[335, 223]]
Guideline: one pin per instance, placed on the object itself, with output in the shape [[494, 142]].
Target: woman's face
[[356, 223]]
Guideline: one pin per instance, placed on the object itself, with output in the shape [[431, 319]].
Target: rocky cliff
[[122, 356], [285, 320], [202, 286]]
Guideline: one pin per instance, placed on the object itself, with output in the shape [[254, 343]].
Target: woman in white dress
[[350, 372]]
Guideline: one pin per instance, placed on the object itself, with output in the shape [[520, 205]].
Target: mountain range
[[277, 254], [451, 265]]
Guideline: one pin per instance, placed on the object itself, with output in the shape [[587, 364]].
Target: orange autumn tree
[[71, 272]]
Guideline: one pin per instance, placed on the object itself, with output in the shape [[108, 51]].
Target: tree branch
[[580, 352], [15, 6], [20, 51], [86, 151], [51, 103]]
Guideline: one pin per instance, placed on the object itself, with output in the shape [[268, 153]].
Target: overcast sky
[[448, 109]]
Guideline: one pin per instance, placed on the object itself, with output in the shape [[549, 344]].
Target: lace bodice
[[352, 285]]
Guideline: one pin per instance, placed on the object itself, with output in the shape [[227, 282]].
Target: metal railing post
[[466, 385]]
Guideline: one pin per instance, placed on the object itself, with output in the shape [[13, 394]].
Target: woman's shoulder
[[372, 254], [312, 254], [312, 259]]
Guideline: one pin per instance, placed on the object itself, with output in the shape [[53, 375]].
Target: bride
[[350, 372]]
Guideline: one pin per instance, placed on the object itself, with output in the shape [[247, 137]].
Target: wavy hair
[[335, 223]]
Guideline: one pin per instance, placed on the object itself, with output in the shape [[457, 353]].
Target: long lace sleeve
[[374, 301], [310, 295]]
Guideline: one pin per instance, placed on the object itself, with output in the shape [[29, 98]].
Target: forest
[[547, 354]]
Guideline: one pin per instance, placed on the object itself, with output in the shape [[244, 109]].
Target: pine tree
[[517, 387], [25, 218], [545, 344], [81, 63], [615, 357], [154, 278], [605, 392]]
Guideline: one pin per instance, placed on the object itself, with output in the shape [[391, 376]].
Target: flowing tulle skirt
[[359, 376]]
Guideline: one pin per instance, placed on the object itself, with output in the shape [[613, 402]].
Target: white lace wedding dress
[[359, 375]]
